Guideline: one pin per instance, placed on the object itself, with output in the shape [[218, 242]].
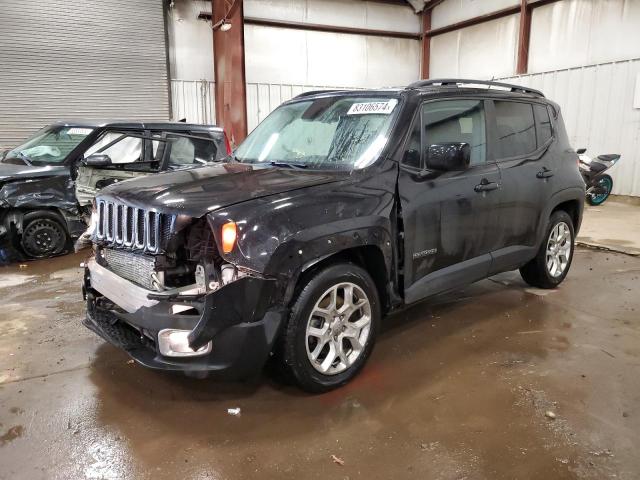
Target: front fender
[[282, 235]]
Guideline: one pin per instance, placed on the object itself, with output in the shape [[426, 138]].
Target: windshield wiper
[[288, 165], [25, 158]]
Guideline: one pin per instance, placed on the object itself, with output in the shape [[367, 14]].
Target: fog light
[[175, 343]]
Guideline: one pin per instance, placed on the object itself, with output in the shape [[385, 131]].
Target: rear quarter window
[[543, 124]]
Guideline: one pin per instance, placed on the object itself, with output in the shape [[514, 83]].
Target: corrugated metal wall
[[194, 100], [597, 107], [80, 59]]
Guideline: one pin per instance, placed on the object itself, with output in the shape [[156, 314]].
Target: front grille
[[134, 228], [135, 267]]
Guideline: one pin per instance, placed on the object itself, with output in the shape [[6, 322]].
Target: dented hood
[[198, 191], [9, 172]]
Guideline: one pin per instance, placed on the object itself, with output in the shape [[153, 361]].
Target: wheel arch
[[570, 200], [369, 257]]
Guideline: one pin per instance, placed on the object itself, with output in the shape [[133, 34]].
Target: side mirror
[[4, 154], [97, 160], [448, 156], [580, 151]]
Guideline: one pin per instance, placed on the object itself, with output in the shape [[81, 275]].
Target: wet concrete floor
[[457, 388]]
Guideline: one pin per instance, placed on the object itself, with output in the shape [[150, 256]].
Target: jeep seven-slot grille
[[124, 226]]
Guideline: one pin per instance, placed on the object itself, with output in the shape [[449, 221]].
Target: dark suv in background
[[339, 208], [47, 183]]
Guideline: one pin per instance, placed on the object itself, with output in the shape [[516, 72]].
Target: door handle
[[544, 173], [485, 186]]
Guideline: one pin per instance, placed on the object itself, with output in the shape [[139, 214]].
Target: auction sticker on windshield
[[384, 108]]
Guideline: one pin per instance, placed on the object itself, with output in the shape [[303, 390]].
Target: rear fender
[[575, 194]]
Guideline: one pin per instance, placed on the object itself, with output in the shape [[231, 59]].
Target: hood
[[10, 171], [198, 191]]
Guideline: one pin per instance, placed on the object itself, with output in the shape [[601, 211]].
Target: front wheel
[[331, 328], [551, 264], [606, 184]]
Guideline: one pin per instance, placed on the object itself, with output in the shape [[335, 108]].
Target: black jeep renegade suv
[[338, 208]]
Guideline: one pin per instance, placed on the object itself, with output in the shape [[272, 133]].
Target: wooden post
[[522, 64], [229, 74]]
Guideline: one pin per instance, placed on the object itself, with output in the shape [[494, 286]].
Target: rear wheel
[[551, 265], [606, 184], [331, 328], [43, 236]]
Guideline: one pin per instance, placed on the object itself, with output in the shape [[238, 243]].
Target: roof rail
[[461, 81], [316, 92]]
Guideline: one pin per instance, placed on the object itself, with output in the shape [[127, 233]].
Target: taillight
[[227, 143], [229, 235]]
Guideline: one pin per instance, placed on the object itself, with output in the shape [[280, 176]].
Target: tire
[[551, 264], [605, 182], [43, 235], [342, 330]]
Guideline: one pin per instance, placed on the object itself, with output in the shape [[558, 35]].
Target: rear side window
[[187, 150], [455, 121], [515, 128], [543, 124]]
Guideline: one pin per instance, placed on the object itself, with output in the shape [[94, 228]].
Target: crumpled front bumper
[[241, 319]]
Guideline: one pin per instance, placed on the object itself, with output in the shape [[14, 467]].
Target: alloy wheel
[[559, 247], [338, 328]]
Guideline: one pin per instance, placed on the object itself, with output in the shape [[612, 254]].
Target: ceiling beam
[[505, 12]]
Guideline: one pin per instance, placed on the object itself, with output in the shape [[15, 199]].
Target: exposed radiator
[[135, 267]]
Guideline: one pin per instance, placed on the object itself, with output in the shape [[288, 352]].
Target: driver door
[[450, 217], [129, 157]]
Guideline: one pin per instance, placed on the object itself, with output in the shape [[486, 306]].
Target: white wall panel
[[344, 13], [481, 51], [454, 11], [597, 106], [584, 32], [190, 41], [281, 55]]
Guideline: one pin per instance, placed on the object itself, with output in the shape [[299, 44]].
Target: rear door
[[522, 135], [450, 218]]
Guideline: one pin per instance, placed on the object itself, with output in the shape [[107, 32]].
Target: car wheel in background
[[43, 235]]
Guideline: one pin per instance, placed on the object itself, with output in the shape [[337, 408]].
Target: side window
[[412, 150], [125, 149], [187, 150], [515, 128], [456, 121], [543, 124]]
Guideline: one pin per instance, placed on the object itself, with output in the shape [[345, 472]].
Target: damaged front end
[[158, 288]]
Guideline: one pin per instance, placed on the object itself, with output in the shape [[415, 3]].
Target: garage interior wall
[[283, 62], [583, 54], [72, 59]]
